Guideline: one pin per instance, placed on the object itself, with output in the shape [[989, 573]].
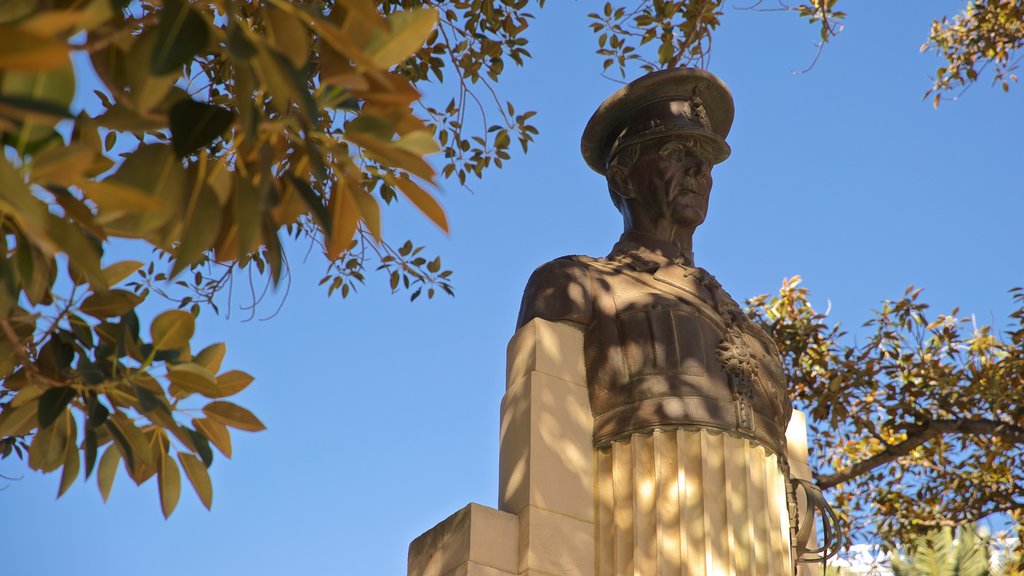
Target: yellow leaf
[[215, 432], [420, 142], [233, 382], [169, 480], [107, 470], [407, 32], [233, 415], [172, 329], [115, 197], [24, 50], [63, 165], [71, 460], [198, 476], [344, 219], [392, 155], [288, 35], [194, 378], [131, 441], [53, 22], [118, 271], [421, 199], [111, 303], [211, 358], [369, 210], [18, 420]]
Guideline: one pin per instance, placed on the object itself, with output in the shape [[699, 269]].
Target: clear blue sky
[[382, 415]]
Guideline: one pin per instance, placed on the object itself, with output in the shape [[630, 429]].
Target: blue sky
[[382, 414]]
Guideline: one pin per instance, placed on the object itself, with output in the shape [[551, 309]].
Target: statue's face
[[670, 179]]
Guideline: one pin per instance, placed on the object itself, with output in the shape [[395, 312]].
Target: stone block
[[546, 450], [475, 534], [477, 569], [555, 544], [552, 348]]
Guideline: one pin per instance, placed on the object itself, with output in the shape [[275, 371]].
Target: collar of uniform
[[647, 253]]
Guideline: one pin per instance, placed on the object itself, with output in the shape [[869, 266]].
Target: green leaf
[[407, 32], [181, 34], [52, 404], [114, 302], [199, 477], [172, 330], [107, 470], [46, 453], [193, 378], [195, 124], [233, 415], [169, 481]]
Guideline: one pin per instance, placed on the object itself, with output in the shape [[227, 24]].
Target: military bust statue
[[667, 351]]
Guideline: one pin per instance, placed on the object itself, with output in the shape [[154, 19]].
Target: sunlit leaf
[[194, 378], [233, 415], [407, 32], [107, 470], [169, 481], [172, 329], [199, 477]]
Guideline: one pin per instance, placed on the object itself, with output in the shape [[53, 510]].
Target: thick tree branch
[[918, 435]]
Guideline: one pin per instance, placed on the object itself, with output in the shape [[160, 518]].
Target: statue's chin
[[686, 215]]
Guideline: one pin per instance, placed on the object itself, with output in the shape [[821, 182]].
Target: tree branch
[[918, 435]]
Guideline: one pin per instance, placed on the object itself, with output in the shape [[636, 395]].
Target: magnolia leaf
[[154, 169], [287, 35], [120, 198], [134, 447], [118, 271], [391, 155], [369, 210], [193, 378], [54, 87], [169, 481], [199, 477], [181, 34], [421, 199], [233, 415], [115, 302], [211, 358], [172, 329], [18, 420], [63, 165], [200, 230], [344, 220], [233, 382], [107, 470], [407, 32], [46, 453], [195, 124], [420, 142], [72, 462], [214, 432], [24, 50], [52, 404]]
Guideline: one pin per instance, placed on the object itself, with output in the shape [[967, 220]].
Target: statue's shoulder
[[559, 291]]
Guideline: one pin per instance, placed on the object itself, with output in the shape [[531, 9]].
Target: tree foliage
[[941, 552], [920, 423], [222, 133]]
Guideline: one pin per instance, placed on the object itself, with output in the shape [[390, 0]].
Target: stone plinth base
[[475, 541], [551, 481]]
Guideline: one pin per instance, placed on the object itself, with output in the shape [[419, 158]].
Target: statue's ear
[[618, 180]]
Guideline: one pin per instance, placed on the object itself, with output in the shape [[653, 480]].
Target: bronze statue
[[665, 345], [671, 359]]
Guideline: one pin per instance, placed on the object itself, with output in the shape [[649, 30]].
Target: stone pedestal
[[549, 471]]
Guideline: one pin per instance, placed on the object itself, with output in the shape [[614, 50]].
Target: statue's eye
[[674, 152]]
